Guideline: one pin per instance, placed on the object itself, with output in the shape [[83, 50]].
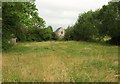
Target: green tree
[[86, 26], [109, 17], [48, 33], [17, 19], [69, 33]]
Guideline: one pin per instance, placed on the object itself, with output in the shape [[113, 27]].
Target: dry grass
[[60, 62]]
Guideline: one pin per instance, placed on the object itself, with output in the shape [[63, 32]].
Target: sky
[[62, 13]]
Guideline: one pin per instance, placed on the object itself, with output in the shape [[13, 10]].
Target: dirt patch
[[27, 45]]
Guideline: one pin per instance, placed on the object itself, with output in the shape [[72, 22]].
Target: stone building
[[13, 41], [60, 32]]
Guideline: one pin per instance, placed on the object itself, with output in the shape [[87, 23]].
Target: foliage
[[85, 28], [34, 34], [48, 33], [97, 25], [19, 19], [69, 33], [109, 17]]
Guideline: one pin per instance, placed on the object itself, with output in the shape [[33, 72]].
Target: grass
[[60, 62]]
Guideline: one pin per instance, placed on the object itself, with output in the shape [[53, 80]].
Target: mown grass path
[[61, 62]]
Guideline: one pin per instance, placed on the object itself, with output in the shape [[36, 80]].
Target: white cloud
[[65, 12]]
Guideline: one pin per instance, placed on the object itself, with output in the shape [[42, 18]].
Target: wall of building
[[60, 33]]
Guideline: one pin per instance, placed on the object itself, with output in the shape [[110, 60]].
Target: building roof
[[58, 29]]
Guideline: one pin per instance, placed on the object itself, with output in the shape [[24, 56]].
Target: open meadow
[[60, 61]]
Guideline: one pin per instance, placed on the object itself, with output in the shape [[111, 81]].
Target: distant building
[[12, 40], [60, 32]]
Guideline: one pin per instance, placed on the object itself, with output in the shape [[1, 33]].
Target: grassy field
[[60, 62]]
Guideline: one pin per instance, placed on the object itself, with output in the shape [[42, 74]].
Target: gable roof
[[58, 29]]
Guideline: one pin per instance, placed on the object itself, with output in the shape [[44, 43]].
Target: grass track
[[61, 62]]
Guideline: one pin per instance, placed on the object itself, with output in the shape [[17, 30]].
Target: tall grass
[[61, 62]]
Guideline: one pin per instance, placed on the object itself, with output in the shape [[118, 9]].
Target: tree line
[[21, 20], [97, 25]]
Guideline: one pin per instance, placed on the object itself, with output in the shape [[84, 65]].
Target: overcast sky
[[61, 13]]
